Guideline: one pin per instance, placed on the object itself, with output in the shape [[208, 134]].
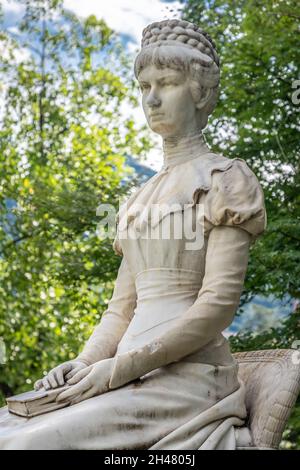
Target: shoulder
[[238, 181], [236, 198]]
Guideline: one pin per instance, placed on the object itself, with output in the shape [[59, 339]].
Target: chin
[[163, 129]]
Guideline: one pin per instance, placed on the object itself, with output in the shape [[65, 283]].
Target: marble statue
[[157, 372]]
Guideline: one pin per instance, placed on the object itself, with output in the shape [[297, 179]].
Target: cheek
[[180, 101], [144, 105]]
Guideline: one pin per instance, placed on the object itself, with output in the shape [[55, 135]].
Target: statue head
[[178, 72]]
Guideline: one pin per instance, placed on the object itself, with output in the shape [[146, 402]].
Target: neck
[[179, 149]]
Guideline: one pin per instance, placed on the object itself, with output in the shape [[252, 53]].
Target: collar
[[173, 188], [178, 150]]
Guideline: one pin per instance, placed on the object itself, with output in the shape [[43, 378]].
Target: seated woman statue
[[157, 372]]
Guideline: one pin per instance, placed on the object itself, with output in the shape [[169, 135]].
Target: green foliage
[[63, 142], [257, 119], [63, 139]]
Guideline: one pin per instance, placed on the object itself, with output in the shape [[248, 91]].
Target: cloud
[[13, 12], [12, 6], [128, 17]]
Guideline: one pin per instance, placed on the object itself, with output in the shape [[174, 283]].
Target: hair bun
[[182, 31]]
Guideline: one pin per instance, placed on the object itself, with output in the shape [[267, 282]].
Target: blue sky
[[128, 18]]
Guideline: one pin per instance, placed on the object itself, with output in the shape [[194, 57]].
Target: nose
[[153, 99]]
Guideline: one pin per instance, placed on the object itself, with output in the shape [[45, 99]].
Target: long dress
[[174, 383]]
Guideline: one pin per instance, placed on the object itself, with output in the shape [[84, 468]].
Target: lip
[[156, 114]]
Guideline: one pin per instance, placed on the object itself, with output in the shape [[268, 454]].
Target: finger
[[59, 376], [73, 372], [79, 376], [81, 387], [84, 396], [38, 384], [66, 368], [46, 384], [51, 379]]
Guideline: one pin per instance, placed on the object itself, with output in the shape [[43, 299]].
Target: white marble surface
[[171, 302]]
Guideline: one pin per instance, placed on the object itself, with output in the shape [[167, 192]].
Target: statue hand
[[91, 381], [59, 374]]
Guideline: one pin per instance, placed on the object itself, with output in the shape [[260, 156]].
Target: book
[[36, 402]]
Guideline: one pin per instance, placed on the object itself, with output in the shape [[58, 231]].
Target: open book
[[36, 402]]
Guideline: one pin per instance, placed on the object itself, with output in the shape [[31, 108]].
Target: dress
[[174, 383]]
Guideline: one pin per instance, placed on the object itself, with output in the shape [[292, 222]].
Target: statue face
[[167, 101]]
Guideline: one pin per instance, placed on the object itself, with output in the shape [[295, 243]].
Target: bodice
[[163, 233], [184, 238], [163, 295]]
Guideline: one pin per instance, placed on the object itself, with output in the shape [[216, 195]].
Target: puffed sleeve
[[236, 199], [236, 220], [105, 338]]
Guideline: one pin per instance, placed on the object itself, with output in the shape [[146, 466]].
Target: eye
[[144, 86], [169, 83]]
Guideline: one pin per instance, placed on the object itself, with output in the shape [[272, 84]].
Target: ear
[[206, 94]]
